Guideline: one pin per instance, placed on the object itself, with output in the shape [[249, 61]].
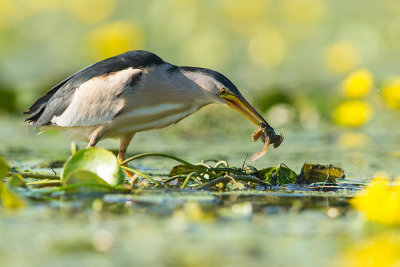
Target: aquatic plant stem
[[226, 170], [141, 174], [190, 176], [200, 169], [36, 175]]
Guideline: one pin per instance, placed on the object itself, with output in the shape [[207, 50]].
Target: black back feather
[[57, 99]]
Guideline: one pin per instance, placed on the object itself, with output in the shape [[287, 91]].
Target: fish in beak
[[265, 131]]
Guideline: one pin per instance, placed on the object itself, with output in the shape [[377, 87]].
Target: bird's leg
[[124, 143]]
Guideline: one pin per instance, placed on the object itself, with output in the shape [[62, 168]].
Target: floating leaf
[[16, 180], [100, 161], [278, 175], [10, 199], [4, 167], [314, 173], [183, 169], [83, 181]]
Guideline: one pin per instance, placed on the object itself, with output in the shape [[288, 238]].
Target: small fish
[[268, 136]]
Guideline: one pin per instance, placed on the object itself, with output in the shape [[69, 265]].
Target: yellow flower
[[357, 84], [379, 202], [114, 38], [353, 113], [341, 57], [391, 93], [379, 251]]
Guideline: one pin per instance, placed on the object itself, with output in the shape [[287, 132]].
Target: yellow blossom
[[380, 202], [357, 84], [382, 250], [114, 38], [341, 57], [391, 93], [352, 113]]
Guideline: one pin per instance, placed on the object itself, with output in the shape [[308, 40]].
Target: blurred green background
[[326, 72], [305, 64]]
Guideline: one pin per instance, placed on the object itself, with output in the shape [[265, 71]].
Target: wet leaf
[[183, 169], [16, 180], [4, 167], [314, 173], [278, 175], [9, 198], [100, 161], [83, 181]]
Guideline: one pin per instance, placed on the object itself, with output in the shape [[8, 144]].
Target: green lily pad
[[4, 167], [83, 181], [314, 173], [100, 161], [278, 175]]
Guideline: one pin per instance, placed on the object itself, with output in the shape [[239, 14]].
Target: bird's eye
[[223, 91]]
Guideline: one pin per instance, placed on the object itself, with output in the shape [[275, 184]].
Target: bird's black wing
[[56, 100]]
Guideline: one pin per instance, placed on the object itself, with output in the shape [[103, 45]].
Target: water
[[278, 227]]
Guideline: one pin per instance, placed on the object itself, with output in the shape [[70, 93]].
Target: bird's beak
[[240, 104]]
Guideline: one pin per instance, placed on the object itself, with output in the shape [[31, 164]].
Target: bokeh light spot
[[244, 10], [115, 38], [380, 202], [207, 49], [353, 113], [391, 93], [6, 8], [303, 10], [267, 47], [352, 140], [376, 251], [357, 84], [341, 57], [91, 11]]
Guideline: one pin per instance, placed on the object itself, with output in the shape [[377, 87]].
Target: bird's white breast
[[150, 118]]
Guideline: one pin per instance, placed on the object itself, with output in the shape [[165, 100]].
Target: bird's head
[[235, 100], [221, 90]]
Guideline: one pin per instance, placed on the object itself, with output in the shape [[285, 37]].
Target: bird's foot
[[122, 159]]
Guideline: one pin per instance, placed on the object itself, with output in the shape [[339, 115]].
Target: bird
[[132, 92]]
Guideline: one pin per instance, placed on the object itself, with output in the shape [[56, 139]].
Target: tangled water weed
[[95, 170]]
